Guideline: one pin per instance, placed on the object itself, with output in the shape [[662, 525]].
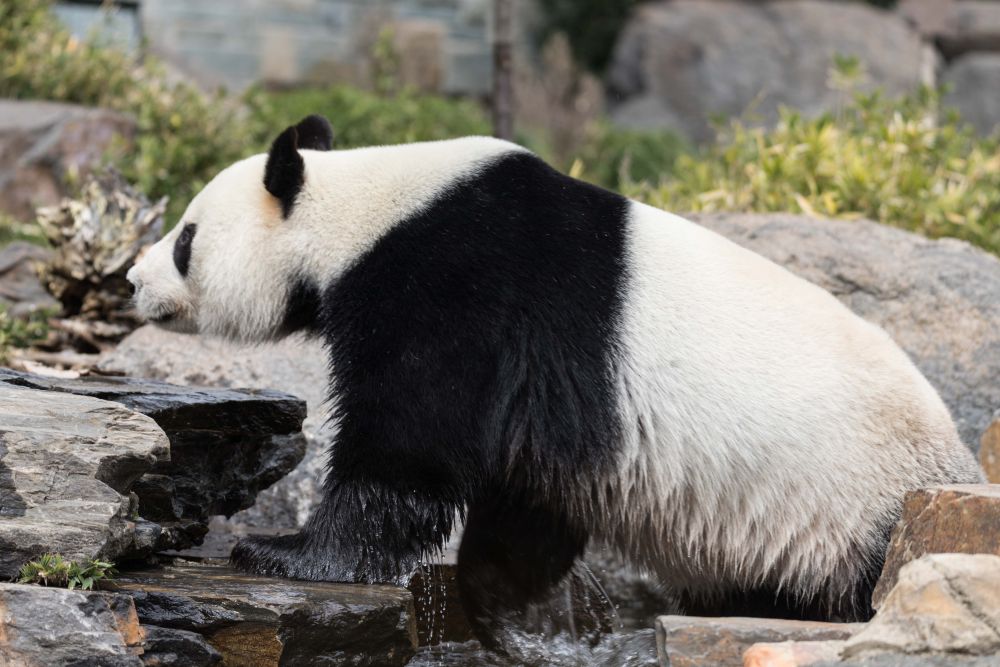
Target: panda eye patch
[[182, 248]]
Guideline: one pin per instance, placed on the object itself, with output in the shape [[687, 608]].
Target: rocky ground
[[169, 447]]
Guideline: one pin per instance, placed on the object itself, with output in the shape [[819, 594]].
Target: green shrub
[[14, 230], [183, 137], [888, 160], [54, 570], [612, 157], [17, 332], [362, 118]]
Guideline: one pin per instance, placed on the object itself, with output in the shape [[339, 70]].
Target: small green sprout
[[54, 570]]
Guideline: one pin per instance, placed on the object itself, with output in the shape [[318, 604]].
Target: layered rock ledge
[[121, 468]]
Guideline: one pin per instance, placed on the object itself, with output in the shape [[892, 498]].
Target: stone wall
[[239, 42]]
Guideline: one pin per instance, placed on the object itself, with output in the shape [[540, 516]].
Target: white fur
[[767, 428], [349, 200]]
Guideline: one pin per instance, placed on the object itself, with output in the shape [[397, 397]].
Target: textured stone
[[225, 446], [791, 654], [262, 621], [62, 628], [939, 300], [972, 82], [989, 451], [693, 641], [974, 25], [21, 291], [43, 143], [945, 519], [679, 63], [177, 648], [942, 603], [931, 18], [67, 467], [294, 366]]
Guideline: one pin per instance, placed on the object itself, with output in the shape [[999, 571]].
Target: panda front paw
[[288, 556]]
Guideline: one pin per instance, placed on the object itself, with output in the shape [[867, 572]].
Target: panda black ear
[[315, 133], [284, 174]]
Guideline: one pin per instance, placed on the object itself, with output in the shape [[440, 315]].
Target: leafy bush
[[889, 160], [613, 157], [362, 118], [54, 570], [184, 136]]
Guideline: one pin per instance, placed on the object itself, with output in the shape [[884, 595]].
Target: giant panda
[[555, 364]]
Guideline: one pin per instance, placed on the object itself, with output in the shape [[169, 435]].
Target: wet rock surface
[[295, 366], [939, 300], [68, 465], [225, 446], [962, 518], [179, 648], [61, 628], [261, 621], [694, 641]]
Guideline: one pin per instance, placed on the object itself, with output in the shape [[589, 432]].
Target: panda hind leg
[[512, 555]]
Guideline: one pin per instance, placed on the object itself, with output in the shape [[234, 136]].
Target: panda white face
[[196, 278], [269, 233]]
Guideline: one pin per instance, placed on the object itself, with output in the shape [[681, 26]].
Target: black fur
[[302, 308], [472, 349], [284, 174], [182, 248], [315, 133]]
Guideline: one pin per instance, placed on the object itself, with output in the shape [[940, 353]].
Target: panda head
[[229, 266]]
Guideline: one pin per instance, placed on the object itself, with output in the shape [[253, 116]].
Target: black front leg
[[512, 555], [365, 532]]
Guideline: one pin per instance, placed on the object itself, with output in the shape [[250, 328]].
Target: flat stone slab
[[67, 466], [942, 603], [226, 445], [261, 621], [696, 641], [960, 518], [56, 627]]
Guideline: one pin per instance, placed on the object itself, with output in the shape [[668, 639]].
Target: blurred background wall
[[672, 64]]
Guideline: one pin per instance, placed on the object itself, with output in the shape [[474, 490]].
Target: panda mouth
[[163, 317]]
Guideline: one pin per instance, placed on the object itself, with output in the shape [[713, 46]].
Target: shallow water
[[633, 649], [580, 624]]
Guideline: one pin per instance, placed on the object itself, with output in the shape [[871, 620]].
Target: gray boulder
[[21, 291], [60, 628], [974, 89], [939, 300], [972, 25], [295, 366], [678, 64], [252, 620], [42, 143], [67, 467], [226, 445]]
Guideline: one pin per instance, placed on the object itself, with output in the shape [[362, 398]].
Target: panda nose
[[133, 280]]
